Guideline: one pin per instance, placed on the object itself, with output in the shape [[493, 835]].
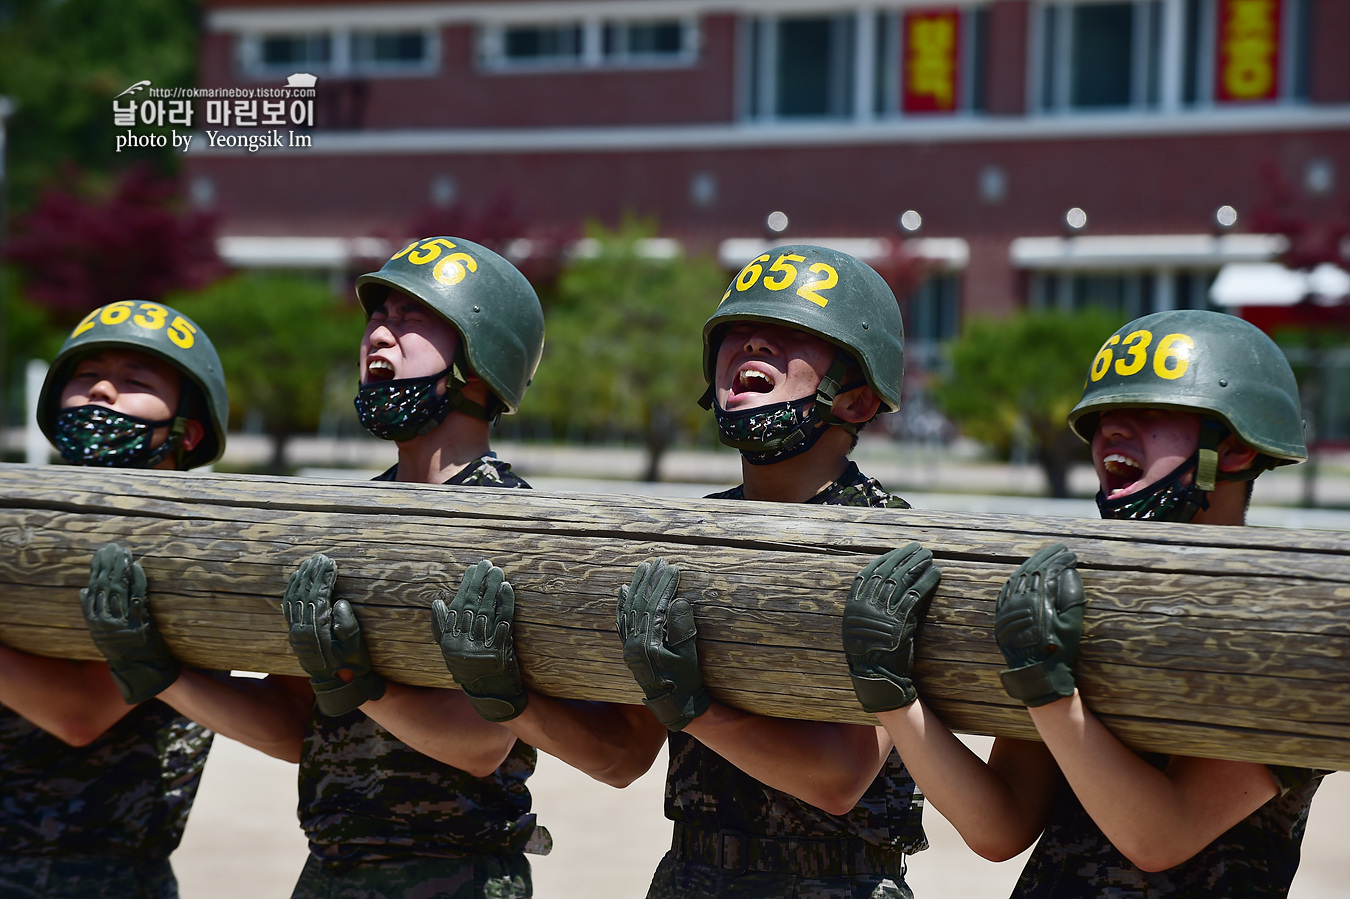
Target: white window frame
[[591, 54], [430, 63], [1170, 60], [341, 62], [758, 47]]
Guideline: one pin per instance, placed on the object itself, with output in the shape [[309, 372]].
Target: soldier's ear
[[193, 432], [1234, 455], [857, 405]]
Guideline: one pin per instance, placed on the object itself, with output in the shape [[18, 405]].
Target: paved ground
[[243, 839]]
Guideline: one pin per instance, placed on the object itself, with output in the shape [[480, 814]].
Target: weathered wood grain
[[1226, 642]]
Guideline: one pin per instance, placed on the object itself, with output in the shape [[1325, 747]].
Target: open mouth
[[378, 369], [751, 380], [1122, 474]]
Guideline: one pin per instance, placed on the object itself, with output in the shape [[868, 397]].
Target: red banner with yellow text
[[1247, 51], [931, 60]]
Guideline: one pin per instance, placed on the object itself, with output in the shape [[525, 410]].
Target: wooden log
[[1222, 642]]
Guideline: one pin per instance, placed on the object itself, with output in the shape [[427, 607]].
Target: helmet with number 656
[[485, 297], [823, 292], [159, 331], [1208, 362]]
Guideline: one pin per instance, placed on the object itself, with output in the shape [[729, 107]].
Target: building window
[[376, 50], [932, 318], [552, 45], [1165, 55], [863, 65], [589, 44], [1128, 294], [802, 67], [340, 52], [636, 43], [277, 52]]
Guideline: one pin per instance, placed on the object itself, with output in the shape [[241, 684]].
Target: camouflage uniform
[[384, 820], [98, 820], [1257, 857], [737, 837], [485, 471]]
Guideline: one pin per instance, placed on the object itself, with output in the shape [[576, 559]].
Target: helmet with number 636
[[823, 292], [485, 297], [160, 331], [1202, 361]]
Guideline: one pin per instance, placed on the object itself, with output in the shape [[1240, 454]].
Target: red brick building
[[978, 132]]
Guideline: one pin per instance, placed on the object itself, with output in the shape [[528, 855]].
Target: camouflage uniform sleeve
[[1289, 778]]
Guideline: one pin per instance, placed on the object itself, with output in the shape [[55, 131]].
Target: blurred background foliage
[[1013, 380], [623, 351], [62, 61], [283, 339]]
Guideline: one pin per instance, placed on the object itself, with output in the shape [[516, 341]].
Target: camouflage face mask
[[404, 408], [1166, 500], [97, 435], [770, 434]]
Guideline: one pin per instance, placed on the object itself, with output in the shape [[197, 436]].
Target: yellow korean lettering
[[932, 59]]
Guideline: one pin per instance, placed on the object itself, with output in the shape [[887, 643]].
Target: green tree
[[623, 348], [65, 61], [280, 339], [1021, 375]]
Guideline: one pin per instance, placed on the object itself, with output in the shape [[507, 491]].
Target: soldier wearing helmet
[[99, 777], [804, 349], [1182, 410], [1216, 372], [407, 790], [115, 346]]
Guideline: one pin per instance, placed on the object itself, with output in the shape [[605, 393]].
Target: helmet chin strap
[[777, 432], [1167, 499], [455, 383]]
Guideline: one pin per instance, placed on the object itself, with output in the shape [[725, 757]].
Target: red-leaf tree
[[1315, 224], [77, 249]]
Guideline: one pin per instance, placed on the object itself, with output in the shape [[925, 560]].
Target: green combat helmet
[[160, 331], [485, 297], [1212, 363], [826, 293]]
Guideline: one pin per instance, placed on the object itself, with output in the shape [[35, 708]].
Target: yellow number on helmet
[[1173, 356], [1102, 363]]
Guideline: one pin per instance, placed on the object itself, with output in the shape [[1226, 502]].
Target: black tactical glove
[[474, 631], [326, 638], [880, 616], [1038, 622], [658, 644], [118, 615]]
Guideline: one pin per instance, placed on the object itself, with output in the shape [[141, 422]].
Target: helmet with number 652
[[1212, 363], [823, 292], [159, 331], [485, 297]]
